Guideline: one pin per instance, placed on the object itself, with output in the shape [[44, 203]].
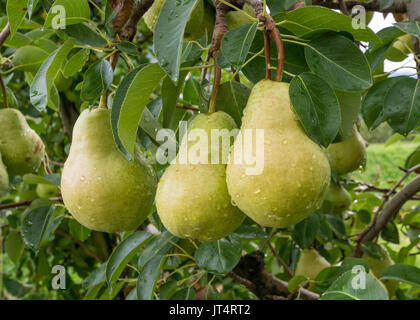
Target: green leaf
[[373, 106], [232, 98], [305, 231], [35, 221], [342, 289], [14, 246], [219, 256], [170, 94], [411, 27], [53, 179], [16, 11], [316, 106], [390, 233], [128, 47], [169, 34], [385, 4], [78, 231], [248, 232], [306, 20], [149, 275], [98, 276], [97, 79], [75, 11], [337, 225], [342, 65], [43, 82], [404, 273], [350, 103], [236, 44], [76, 63], [124, 252], [159, 245], [129, 102], [18, 41], [85, 35], [402, 105]]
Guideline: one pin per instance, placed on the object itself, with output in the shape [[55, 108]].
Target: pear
[[26, 193], [238, 18], [192, 199], [21, 148], [310, 263], [401, 47], [337, 200], [348, 155], [4, 177], [377, 266], [44, 190], [194, 29], [296, 171], [101, 188]]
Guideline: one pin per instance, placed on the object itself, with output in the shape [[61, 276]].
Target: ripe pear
[[21, 148], [44, 190], [4, 177], [310, 263], [238, 18], [337, 200], [101, 188], [378, 266], [296, 171], [192, 199], [194, 29], [348, 155]]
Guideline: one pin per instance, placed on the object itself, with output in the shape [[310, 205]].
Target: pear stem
[[3, 90]]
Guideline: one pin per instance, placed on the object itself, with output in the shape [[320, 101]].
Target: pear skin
[[192, 199], [20, 146], [4, 177], [378, 266], [337, 200], [44, 190], [348, 155], [310, 263], [296, 171], [101, 188]]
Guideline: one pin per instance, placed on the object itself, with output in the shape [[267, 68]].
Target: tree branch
[[4, 34], [140, 8], [23, 203], [374, 5], [123, 10], [250, 272]]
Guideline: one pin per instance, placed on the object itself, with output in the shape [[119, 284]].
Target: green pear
[[26, 193], [401, 47], [45, 190], [310, 263], [238, 18], [378, 266], [194, 29], [101, 188], [337, 200], [4, 177], [192, 199], [296, 172], [348, 155], [21, 148]]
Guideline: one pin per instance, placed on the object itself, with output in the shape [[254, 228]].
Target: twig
[[4, 92], [140, 8], [250, 286], [343, 7], [24, 203], [183, 106], [4, 34], [80, 243], [284, 264]]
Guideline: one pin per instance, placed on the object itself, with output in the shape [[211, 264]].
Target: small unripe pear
[[310, 263], [4, 177], [44, 190], [348, 155], [337, 200], [378, 266], [20, 146]]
